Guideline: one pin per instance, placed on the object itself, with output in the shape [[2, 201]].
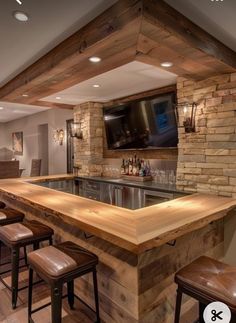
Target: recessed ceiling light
[[25, 95], [96, 85], [19, 1], [20, 16], [166, 64], [58, 97], [95, 59], [1, 108]]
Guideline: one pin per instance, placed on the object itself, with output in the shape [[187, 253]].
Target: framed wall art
[[17, 143]]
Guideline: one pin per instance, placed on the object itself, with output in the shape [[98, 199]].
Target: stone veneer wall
[[207, 158], [89, 151]]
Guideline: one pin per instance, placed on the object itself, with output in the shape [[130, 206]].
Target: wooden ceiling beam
[[110, 34], [163, 16], [149, 31]]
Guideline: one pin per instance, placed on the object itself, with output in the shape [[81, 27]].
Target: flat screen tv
[[142, 124]]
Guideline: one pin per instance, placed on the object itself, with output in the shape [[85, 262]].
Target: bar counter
[[139, 250]]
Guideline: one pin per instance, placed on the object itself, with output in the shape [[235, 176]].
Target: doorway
[[70, 147], [43, 148]]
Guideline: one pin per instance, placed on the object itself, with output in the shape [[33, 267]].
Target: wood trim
[[160, 13]]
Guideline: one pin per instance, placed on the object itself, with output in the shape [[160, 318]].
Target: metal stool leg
[[56, 296], [95, 285], [201, 310], [36, 245], [70, 292], [30, 290], [25, 256], [178, 305], [15, 274]]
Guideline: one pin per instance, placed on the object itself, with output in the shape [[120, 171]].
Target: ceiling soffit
[[147, 30]]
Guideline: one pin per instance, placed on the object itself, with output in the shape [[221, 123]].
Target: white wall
[[2, 135], [56, 119]]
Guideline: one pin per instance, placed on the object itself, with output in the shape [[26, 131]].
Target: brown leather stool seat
[[8, 216], [24, 233], [17, 235], [206, 280], [61, 264], [56, 261]]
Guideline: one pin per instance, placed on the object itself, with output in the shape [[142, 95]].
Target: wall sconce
[[75, 130], [188, 115], [59, 136]]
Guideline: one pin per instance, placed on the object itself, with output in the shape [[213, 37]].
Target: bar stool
[[57, 265], [8, 216], [207, 280], [15, 236]]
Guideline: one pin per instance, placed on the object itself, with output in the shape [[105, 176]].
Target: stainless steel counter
[[146, 185], [127, 194]]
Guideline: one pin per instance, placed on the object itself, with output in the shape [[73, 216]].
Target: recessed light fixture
[[166, 64], [95, 59], [20, 16], [25, 95], [1, 108], [96, 85], [19, 1], [58, 97]]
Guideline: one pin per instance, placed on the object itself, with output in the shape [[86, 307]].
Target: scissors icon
[[216, 315]]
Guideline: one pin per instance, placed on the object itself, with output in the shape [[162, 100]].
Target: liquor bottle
[[122, 168], [148, 168], [138, 166], [131, 166], [142, 169], [135, 166], [126, 168]]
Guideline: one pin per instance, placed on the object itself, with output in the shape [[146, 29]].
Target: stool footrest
[[64, 296], [10, 270], [9, 262], [19, 289]]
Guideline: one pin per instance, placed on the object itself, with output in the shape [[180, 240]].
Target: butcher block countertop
[[134, 230]]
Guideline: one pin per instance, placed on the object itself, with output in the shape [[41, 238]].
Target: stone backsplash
[[207, 158]]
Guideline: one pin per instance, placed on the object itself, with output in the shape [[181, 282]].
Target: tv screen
[[143, 124]]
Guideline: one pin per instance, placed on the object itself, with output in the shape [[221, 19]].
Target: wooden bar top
[[134, 230]]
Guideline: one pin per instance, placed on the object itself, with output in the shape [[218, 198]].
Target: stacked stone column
[[89, 150]]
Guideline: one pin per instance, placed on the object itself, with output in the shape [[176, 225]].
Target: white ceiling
[[13, 111], [51, 21], [125, 80], [217, 17]]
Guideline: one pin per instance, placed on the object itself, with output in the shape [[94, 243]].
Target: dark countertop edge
[[150, 185], [48, 178], [153, 187]]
